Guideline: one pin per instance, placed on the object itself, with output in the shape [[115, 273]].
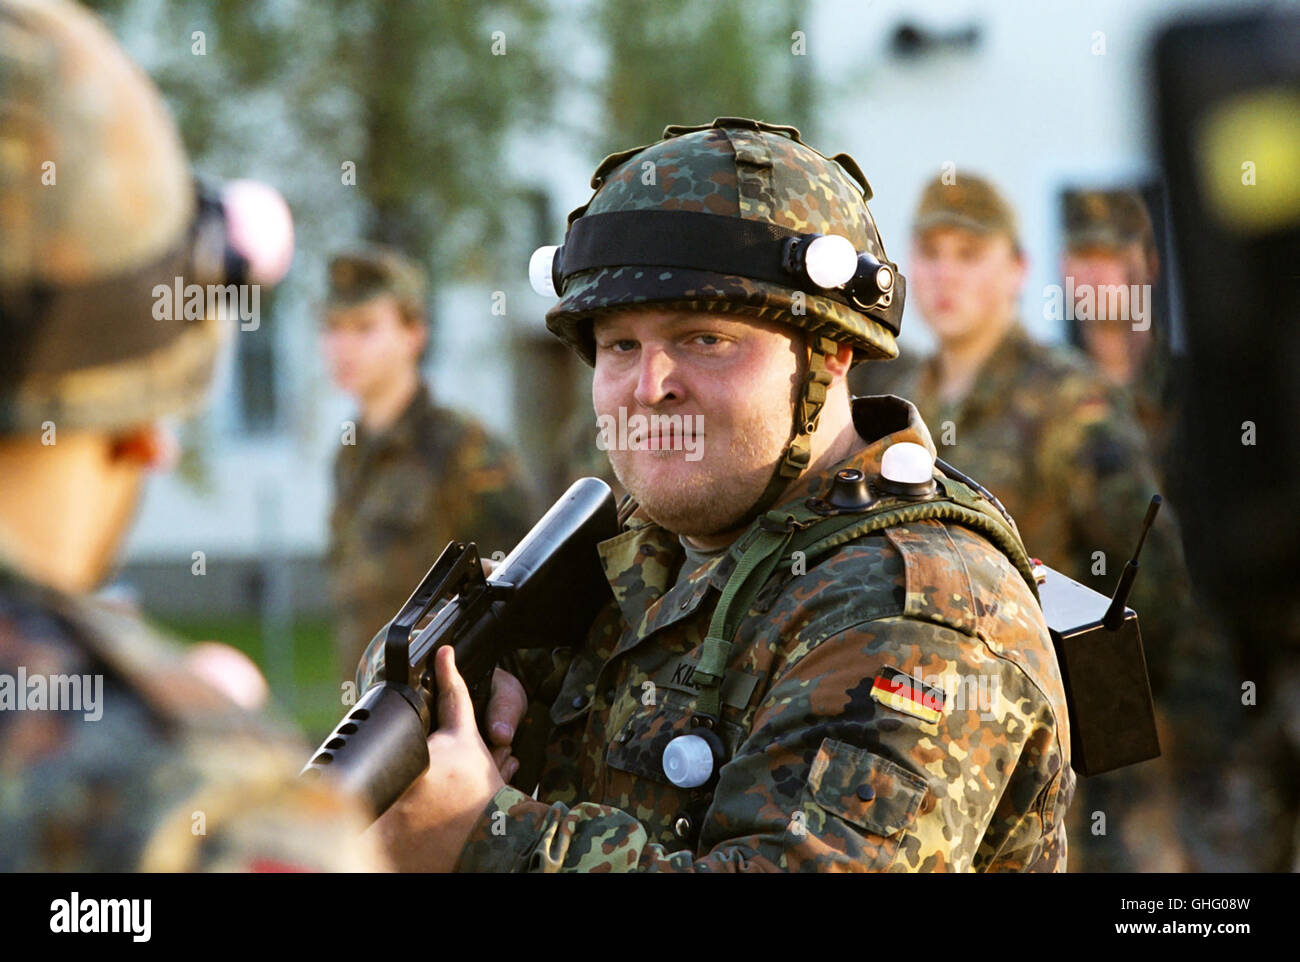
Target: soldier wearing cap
[[119, 751], [411, 475], [1111, 252], [749, 699], [1048, 435], [1110, 247]]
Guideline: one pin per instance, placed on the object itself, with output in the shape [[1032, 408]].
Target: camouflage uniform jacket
[[1153, 389], [400, 496], [160, 773], [819, 775], [1063, 451]]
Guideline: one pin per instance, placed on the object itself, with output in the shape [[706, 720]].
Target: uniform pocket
[[577, 689], [871, 793], [639, 748]]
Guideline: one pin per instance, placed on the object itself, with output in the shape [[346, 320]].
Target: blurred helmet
[[97, 206], [720, 218]]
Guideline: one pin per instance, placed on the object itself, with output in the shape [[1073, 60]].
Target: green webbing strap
[[779, 534], [765, 549], [818, 540], [807, 413]]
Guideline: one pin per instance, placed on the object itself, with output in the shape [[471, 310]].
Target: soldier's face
[[962, 281], [366, 343], [1105, 267], [734, 378]]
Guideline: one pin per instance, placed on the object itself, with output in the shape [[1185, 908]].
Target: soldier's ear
[[839, 363], [420, 333], [1019, 271], [150, 447]]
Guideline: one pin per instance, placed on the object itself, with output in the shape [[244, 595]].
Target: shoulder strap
[[776, 536]]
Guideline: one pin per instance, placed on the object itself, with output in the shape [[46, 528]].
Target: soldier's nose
[[656, 378]]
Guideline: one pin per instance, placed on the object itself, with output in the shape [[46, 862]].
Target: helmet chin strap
[[807, 412]]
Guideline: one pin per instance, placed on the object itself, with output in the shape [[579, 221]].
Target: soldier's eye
[[618, 345]]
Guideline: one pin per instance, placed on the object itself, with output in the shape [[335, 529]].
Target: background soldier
[[163, 772], [1110, 245], [415, 475], [1050, 437], [825, 757]]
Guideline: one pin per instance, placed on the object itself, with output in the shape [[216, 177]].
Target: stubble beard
[[712, 495]]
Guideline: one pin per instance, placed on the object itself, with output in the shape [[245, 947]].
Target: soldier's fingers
[[508, 772], [488, 565], [455, 710], [500, 756], [506, 706]]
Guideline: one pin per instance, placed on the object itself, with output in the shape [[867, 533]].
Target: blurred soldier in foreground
[[114, 754], [1111, 258], [823, 714], [410, 475], [1061, 449]]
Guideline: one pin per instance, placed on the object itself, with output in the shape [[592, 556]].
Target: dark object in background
[[1228, 109], [912, 40]]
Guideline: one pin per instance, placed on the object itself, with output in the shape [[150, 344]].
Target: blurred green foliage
[[425, 101], [685, 62]]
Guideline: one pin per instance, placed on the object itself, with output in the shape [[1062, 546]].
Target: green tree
[[685, 62], [422, 97]]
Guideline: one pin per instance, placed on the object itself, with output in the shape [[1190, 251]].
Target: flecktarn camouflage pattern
[[731, 168], [1061, 449], [156, 771], [831, 762], [114, 754]]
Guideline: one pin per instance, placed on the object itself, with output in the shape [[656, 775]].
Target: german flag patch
[[907, 694]]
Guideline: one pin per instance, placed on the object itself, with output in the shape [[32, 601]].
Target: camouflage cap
[[970, 203], [359, 274], [1107, 218], [741, 169], [96, 206]]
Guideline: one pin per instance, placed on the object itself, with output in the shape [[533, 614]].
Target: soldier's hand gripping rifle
[[545, 593]]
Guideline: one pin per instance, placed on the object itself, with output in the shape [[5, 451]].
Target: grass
[[307, 687]]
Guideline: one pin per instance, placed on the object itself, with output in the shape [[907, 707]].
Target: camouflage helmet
[[704, 220], [737, 216], [97, 206]]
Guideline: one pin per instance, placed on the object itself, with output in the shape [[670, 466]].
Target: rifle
[[545, 593]]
